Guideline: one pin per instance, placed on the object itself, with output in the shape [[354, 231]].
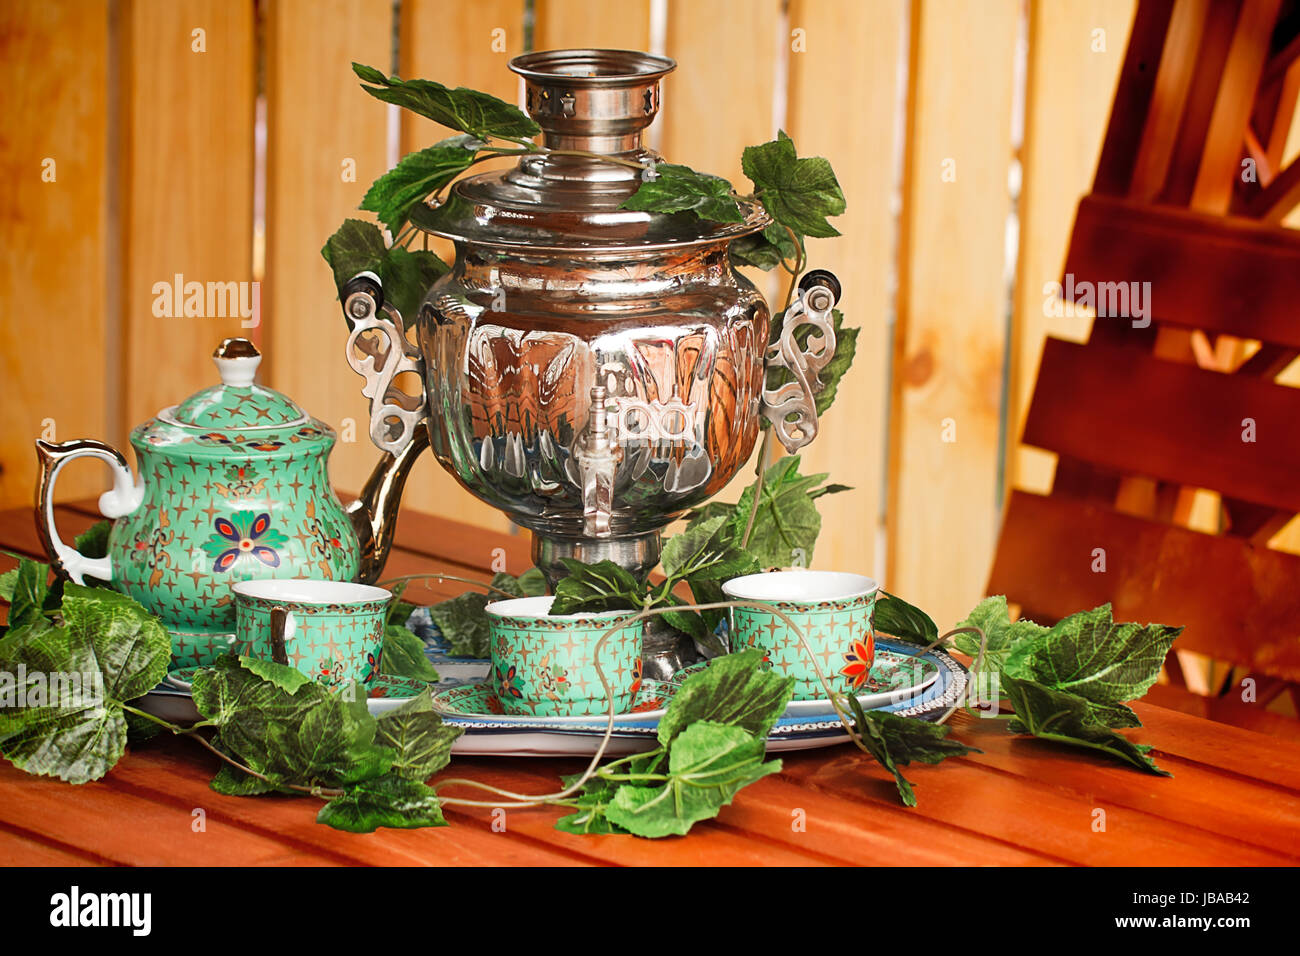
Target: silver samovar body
[[592, 371]]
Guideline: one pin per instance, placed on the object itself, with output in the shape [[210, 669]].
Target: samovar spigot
[[597, 453]]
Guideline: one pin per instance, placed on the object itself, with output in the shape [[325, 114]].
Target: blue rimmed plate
[[487, 734], [897, 674], [474, 701]]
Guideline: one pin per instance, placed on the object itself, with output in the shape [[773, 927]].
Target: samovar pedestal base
[[666, 650], [638, 553]]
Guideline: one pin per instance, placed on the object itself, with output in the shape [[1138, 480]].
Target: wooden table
[[1234, 797]]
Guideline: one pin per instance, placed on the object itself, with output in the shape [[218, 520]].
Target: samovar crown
[[594, 100]]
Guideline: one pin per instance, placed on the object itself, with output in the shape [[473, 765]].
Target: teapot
[[233, 485]]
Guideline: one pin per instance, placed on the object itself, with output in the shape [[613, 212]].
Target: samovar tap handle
[[792, 407]]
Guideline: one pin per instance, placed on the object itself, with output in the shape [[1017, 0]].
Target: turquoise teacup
[[545, 665], [332, 631], [833, 609]]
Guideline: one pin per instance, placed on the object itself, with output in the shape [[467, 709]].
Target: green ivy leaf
[[132, 648], [532, 583], [681, 189], [788, 523], [406, 276], [281, 675], [417, 733], [392, 196], [846, 349], [1091, 655], [874, 739], [469, 111], [693, 549], [734, 690], [233, 782], [140, 729], [112, 645], [357, 246], [767, 249], [1070, 719], [589, 817], [404, 655], [896, 741], [309, 736], [688, 622], [464, 624], [1000, 632], [603, 586], [388, 801], [755, 250], [707, 765], [897, 618], [28, 592], [93, 542], [799, 193]]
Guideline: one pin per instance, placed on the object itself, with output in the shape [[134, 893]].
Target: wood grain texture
[[597, 24], [320, 162], [948, 358], [187, 186], [1071, 83], [477, 59], [851, 52], [720, 98], [54, 230]]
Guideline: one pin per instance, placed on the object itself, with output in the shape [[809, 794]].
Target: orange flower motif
[[857, 667]]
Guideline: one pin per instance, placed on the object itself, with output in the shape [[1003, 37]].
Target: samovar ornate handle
[[397, 420], [394, 415], [792, 407]]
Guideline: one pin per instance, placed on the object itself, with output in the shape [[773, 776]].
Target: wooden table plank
[[1197, 797], [1020, 812], [1221, 745], [174, 771], [709, 842], [125, 829], [19, 848]]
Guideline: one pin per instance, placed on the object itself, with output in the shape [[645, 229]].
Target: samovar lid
[[596, 101]]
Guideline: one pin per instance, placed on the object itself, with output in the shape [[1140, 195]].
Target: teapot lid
[[585, 101], [237, 414], [237, 403]]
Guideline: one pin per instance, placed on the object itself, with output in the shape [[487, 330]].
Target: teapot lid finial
[[237, 361]]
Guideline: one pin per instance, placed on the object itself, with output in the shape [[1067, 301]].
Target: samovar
[[592, 371]]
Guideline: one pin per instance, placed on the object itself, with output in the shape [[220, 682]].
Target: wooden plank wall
[[157, 169]]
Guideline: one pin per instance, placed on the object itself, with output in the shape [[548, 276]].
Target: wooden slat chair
[[1142, 417]]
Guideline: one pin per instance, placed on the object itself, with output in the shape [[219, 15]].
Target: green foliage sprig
[[1069, 683]]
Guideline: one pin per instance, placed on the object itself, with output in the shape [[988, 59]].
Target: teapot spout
[[374, 513]]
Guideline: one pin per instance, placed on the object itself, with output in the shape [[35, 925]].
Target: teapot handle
[[792, 408], [394, 415], [123, 498]]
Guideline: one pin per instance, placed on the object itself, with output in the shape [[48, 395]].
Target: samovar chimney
[[593, 100]]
